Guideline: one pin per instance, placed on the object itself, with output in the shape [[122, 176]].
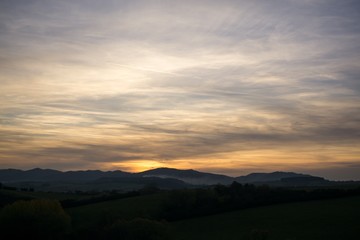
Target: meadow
[[316, 220], [146, 215]]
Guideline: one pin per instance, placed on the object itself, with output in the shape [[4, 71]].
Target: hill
[[237, 211], [268, 177], [163, 178], [189, 176], [316, 220], [38, 174]]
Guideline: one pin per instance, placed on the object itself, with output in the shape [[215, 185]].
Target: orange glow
[[135, 166]]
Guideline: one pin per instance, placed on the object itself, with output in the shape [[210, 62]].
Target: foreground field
[[317, 220], [93, 215], [314, 220], [230, 213]]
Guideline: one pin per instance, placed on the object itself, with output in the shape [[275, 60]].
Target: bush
[[35, 219]]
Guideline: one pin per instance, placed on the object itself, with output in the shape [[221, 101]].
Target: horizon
[[216, 173], [230, 87]]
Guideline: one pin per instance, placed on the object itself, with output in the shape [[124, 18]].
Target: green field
[[332, 219], [90, 215], [324, 219], [335, 219]]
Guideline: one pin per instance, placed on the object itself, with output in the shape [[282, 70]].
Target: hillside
[[237, 211], [188, 176], [38, 174], [268, 177], [163, 178], [317, 220], [331, 219]]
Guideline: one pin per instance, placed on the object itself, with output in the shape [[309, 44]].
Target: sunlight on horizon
[[229, 86]]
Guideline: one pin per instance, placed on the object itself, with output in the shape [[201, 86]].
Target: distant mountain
[[268, 177], [37, 174], [164, 178], [162, 183], [189, 176], [307, 181]]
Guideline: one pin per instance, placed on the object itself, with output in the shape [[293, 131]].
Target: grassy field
[[333, 219], [317, 220], [90, 215]]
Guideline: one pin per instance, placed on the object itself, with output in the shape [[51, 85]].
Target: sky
[[230, 87]]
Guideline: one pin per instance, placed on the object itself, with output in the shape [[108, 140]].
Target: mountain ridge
[[186, 175], [162, 178]]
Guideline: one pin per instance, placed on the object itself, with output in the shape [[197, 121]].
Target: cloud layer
[[224, 86]]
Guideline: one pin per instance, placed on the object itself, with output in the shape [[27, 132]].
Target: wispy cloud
[[254, 85]]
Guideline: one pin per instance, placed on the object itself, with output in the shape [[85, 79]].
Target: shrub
[[35, 219]]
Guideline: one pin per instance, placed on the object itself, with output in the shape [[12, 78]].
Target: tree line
[[189, 203]]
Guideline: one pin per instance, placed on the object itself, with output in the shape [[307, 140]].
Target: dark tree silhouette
[[35, 219]]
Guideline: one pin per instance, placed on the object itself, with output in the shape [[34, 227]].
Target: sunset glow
[[229, 87]]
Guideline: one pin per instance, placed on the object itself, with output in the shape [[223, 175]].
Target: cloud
[[178, 82]]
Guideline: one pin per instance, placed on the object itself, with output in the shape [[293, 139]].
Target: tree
[[35, 219]]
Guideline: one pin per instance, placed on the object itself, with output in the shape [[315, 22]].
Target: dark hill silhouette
[[162, 183], [166, 178], [268, 177], [37, 174], [189, 176]]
